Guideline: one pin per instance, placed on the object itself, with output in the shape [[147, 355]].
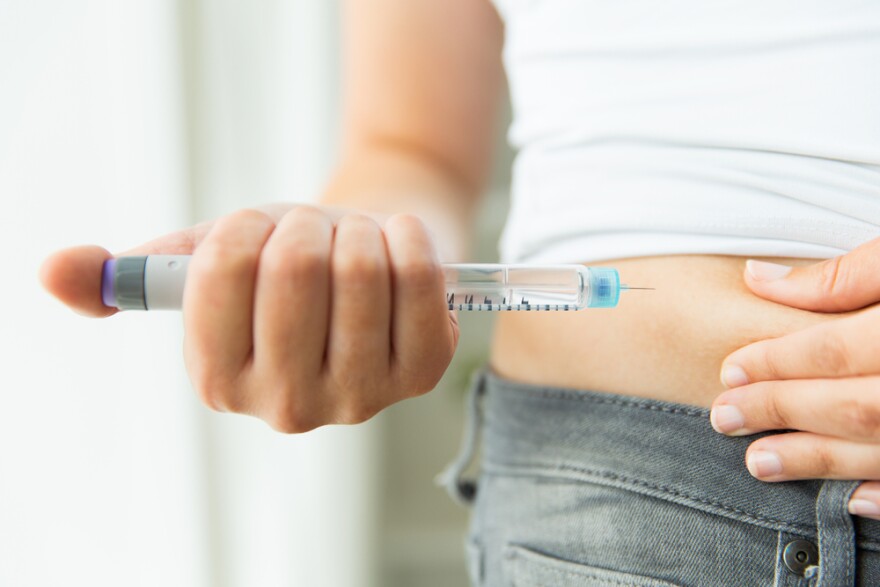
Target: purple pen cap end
[[108, 292]]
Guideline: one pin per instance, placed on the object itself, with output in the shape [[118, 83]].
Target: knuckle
[[861, 417], [216, 394], [308, 263], [824, 462], [357, 412], [420, 382], [288, 416], [247, 217], [308, 214], [217, 257], [358, 268], [406, 221], [305, 263], [421, 276], [307, 219], [290, 423], [775, 410], [773, 362], [833, 278], [359, 256], [223, 256], [360, 223], [828, 275], [216, 390], [358, 395], [831, 354], [209, 397], [236, 234]]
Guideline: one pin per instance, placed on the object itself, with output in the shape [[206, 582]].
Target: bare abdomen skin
[[664, 344]]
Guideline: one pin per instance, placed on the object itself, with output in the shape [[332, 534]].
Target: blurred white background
[[121, 120]]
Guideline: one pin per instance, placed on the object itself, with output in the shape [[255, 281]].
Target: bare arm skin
[[422, 83], [422, 86]]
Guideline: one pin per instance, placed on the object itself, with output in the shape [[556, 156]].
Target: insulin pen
[[156, 282]]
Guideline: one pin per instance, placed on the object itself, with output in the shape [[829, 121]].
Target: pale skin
[[422, 86], [823, 381], [267, 333]]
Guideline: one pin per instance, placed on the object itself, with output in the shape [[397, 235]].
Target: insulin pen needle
[[624, 287]]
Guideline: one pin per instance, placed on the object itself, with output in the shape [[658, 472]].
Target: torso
[[664, 344], [688, 127]]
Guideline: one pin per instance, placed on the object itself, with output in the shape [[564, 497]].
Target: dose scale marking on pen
[[156, 282]]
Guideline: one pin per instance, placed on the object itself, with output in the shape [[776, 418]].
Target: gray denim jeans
[[585, 488]]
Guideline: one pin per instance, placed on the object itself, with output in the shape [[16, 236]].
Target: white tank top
[[648, 127]]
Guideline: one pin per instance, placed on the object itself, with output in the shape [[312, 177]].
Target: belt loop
[[462, 490], [837, 539]]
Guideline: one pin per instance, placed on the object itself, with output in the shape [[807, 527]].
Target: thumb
[[74, 275], [840, 284]]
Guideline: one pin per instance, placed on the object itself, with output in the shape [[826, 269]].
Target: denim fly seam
[[837, 546]]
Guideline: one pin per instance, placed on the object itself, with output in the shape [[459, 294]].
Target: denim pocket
[[527, 568]]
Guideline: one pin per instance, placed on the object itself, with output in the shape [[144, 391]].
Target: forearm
[[422, 82], [389, 179]]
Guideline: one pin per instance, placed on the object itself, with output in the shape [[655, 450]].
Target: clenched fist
[[301, 318]]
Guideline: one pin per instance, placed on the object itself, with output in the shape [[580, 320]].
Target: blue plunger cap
[[604, 287]]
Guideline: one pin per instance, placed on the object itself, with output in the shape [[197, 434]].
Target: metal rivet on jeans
[[800, 554], [467, 490]]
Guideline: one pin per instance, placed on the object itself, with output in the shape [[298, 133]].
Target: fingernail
[[863, 507], [763, 271], [726, 419], [763, 463], [733, 376]]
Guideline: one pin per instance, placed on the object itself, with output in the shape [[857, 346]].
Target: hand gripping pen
[[156, 282]]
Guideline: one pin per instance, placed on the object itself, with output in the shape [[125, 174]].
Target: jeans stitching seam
[[661, 488], [596, 576]]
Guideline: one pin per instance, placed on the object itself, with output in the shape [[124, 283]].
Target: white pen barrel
[[164, 280]]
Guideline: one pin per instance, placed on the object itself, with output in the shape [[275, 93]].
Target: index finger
[[842, 348], [847, 282], [424, 333]]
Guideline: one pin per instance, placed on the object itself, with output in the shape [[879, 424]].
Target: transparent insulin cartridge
[[156, 282], [497, 287]]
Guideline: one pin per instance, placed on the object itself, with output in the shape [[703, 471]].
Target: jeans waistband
[[656, 448]]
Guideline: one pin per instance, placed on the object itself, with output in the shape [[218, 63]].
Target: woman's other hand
[[822, 382], [301, 318]]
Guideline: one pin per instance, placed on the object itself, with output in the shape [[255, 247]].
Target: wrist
[[388, 181]]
